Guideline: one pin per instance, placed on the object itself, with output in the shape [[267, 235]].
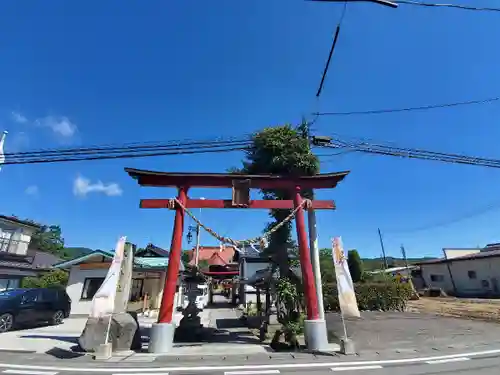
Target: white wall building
[[15, 237], [87, 273], [475, 274]]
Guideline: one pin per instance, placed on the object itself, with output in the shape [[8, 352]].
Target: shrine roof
[[267, 181]]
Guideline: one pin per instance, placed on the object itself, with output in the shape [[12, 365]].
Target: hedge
[[390, 296]]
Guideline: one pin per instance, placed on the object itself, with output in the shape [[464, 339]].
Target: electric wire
[[408, 109], [136, 150], [455, 6], [471, 214], [413, 153], [332, 48]]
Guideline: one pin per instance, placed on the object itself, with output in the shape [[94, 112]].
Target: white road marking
[[26, 372], [459, 359], [141, 373], [252, 372], [152, 370], [352, 368]]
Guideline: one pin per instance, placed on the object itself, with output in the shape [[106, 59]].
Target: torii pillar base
[[161, 338], [316, 335]]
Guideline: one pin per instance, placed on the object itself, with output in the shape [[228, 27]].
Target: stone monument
[[116, 331]]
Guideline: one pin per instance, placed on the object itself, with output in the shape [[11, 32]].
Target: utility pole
[[198, 231], [197, 251], [383, 248]]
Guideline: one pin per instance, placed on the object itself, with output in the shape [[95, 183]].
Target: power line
[[148, 149], [469, 215], [408, 109], [456, 6], [381, 149], [332, 49]]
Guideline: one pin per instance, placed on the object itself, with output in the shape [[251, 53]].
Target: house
[[465, 272], [87, 273], [251, 263], [212, 255], [15, 237]]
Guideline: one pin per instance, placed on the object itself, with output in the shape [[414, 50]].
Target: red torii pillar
[[162, 333]]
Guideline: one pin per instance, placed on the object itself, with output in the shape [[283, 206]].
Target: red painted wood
[[226, 203], [153, 178], [174, 259], [305, 261]]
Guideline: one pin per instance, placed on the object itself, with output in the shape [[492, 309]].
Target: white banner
[[103, 302], [345, 286]]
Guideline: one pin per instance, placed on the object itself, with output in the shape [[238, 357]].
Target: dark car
[[29, 306]]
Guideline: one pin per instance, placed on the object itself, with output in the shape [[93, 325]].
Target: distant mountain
[[371, 264]]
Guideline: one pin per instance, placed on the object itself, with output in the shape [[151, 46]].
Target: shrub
[[52, 279], [390, 296]]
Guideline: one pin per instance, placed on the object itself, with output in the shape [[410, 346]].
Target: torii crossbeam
[[241, 185]]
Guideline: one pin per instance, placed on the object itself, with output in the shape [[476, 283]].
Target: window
[[6, 284], [472, 274], [437, 278], [30, 296], [485, 283], [91, 286], [49, 295]]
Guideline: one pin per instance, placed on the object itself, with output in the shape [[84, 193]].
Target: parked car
[[29, 306]]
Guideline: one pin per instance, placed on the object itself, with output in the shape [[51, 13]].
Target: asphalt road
[[466, 365]]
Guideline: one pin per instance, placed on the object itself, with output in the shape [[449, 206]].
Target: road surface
[[466, 364]]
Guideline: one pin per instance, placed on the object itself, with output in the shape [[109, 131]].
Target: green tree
[[326, 265], [51, 279], [355, 265], [49, 239], [282, 150], [285, 151], [185, 258]]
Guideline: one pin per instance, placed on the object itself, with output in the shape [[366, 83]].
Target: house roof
[[40, 259], [14, 260], [157, 250], [224, 255], [216, 260], [17, 221], [140, 262], [481, 255]]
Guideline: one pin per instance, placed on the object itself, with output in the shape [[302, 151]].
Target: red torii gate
[[241, 185]]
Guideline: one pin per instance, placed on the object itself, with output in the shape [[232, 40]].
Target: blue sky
[[86, 73]]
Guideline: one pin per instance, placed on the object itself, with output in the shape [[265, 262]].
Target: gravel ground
[[404, 330]]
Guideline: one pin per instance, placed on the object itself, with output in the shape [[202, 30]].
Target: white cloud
[[32, 190], [83, 186], [19, 118], [60, 125]]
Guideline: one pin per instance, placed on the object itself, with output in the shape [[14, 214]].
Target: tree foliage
[[282, 150], [49, 240], [51, 279], [285, 151], [355, 265]]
